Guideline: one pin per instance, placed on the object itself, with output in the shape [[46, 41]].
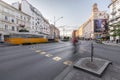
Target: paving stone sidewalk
[[112, 73], [112, 44]]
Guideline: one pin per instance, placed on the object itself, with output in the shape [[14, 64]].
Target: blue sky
[[74, 12]]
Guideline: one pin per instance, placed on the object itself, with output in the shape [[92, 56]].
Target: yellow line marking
[[48, 55], [43, 53], [57, 58], [38, 51], [67, 62]]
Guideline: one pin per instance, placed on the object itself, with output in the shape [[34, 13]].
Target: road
[[46, 61], [35, 62], [111, 53]]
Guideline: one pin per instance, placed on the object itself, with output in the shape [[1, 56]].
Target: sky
[[74, 12]]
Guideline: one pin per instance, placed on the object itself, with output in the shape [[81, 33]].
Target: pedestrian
[[117, 41]]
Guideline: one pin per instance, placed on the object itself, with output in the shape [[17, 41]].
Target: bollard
[[92, 52]]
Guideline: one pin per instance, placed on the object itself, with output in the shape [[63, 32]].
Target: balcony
[[119, 9], [22, 25], [113, 13], [115, 19], [111, 20]]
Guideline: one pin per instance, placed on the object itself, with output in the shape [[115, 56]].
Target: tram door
[[1, 38]]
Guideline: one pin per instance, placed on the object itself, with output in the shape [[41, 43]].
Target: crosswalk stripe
[[57, 58], [43, 53], [48, 55], [38, 51], [67, 62]]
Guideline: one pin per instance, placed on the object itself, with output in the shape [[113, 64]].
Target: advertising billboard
[[100, 25]]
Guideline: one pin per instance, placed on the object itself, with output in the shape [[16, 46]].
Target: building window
[[13, 28], [21, 17], [24, 18], [33, 23], [17, 29], [12, 20], [6, 27], [32, 27], [17, 21], [6, 18]]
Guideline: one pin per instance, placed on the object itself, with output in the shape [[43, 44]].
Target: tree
[[116, 30]]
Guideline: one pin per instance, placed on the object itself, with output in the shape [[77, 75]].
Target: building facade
[[88, 29], [39, 24], [12, 20], [54, 32], [96, 25], [80, 32], [114, 19]]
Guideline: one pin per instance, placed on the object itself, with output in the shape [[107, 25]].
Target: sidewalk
[[111, 43], [70, 73], [2, 44]]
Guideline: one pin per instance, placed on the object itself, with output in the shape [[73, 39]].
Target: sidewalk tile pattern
[[112, 73]]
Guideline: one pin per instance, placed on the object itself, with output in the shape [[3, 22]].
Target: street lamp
[[55, 20], [62, 30]]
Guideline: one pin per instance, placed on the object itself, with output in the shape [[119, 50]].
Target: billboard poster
[[100, 25]]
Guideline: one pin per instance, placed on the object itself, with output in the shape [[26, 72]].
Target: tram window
[[23, 35], [34, 36], [15, 36], [6, 36], [29, 36], [41, 36], [37, 36]]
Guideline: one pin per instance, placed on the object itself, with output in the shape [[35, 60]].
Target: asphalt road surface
[[46, 61]]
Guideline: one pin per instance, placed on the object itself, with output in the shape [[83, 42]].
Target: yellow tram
[[25, 38]]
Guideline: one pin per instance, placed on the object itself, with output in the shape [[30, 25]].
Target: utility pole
[[55, 23], [92, 52]]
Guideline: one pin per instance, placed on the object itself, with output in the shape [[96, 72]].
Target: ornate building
[[12, 20], [96, 25], [39, 24], [114, 20]]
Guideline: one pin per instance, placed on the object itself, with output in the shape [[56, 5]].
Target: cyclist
[[74, 42]]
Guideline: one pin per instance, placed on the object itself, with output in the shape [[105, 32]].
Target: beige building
[[54, 32], [80, 32], [12, 20], [77, 33]]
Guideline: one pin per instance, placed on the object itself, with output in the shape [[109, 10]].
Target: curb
[[63, 74], [112, 44], [102, 63]]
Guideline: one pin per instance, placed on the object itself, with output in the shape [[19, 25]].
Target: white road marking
[[48, 55], [67, 62], [38, 51], [42, 53], [57, 58]]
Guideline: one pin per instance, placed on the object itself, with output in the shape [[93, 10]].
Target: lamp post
[[56, 20]]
